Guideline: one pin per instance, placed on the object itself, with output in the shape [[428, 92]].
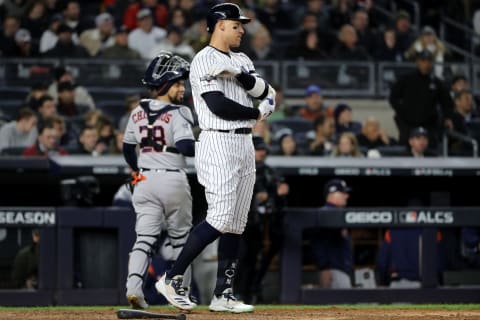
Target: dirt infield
[[327, 313]]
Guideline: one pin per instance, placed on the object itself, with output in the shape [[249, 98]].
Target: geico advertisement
[[403, 217]]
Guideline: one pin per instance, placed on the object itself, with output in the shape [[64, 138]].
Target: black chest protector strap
[[150, 141]]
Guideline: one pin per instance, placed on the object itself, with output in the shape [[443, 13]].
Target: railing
[[337, 78], [457, 135], [469, 36]]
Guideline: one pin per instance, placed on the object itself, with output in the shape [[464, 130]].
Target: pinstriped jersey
[[231, 88], [168, 128]]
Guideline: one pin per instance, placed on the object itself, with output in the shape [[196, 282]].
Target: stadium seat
[[114, 109], [295, 124], [392, 151]]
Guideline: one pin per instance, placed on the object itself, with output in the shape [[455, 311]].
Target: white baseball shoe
[[137, 302], [228, 303], [173, 291], [192, 298]]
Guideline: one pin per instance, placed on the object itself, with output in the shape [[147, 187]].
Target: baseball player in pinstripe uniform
[[162, 128], [224, 85]]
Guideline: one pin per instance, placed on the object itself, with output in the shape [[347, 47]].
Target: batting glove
[[266, 108], [219, 70], [271, 93]]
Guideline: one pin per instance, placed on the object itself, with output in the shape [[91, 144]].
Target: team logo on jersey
[[207, 78]]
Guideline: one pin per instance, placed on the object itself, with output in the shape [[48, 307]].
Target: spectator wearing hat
[[146, 35], [65, 46], [332, 248], [120, 49], [314, 106], [428, 40], [66, 101], [265, 221], [25, 47], [342, 116], [49, 36], [420, 99], [174, 43], [418, 144], [101, 37], [404, 32], [81, 95], [159, 12]]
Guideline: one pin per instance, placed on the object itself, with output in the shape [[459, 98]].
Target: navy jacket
[[331, 248]]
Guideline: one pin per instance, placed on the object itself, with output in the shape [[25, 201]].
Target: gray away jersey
[[231, 88], [168, 128]]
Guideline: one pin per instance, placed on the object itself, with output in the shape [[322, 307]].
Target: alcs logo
[[426, 216]]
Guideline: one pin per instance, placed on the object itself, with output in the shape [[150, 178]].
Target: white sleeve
[[129, 136]]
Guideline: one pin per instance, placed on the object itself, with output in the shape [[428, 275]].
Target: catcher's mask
[[164, 70]]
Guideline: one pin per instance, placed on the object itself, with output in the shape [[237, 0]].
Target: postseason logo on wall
[[27, 216]]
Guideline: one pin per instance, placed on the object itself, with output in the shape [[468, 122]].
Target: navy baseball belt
[[238, 130], [160, 170]]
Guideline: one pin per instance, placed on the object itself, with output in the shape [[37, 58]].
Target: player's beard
[[176, 99]]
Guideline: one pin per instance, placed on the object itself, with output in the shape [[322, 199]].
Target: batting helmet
[[224, 11], [164, 70]]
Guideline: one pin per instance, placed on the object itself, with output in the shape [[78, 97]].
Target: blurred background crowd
[[60, 114]]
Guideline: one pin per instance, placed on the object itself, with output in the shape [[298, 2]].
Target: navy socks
[[201, 236]]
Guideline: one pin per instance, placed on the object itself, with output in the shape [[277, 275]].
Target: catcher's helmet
[[224, 11], [165, 69]]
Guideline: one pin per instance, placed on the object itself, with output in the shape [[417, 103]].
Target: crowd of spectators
[[311, 30]]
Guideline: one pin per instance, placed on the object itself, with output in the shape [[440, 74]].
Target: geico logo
[[369, 217]]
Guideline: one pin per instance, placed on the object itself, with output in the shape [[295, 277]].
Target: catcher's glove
[[134, 178]]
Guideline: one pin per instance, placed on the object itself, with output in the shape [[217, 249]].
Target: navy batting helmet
[[224, 11], [164, 70]]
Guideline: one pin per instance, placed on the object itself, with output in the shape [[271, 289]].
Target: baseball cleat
[[191, 297], [137, 302], [228, 303], [173, 291]]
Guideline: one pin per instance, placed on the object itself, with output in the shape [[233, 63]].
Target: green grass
[[272, 307]]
